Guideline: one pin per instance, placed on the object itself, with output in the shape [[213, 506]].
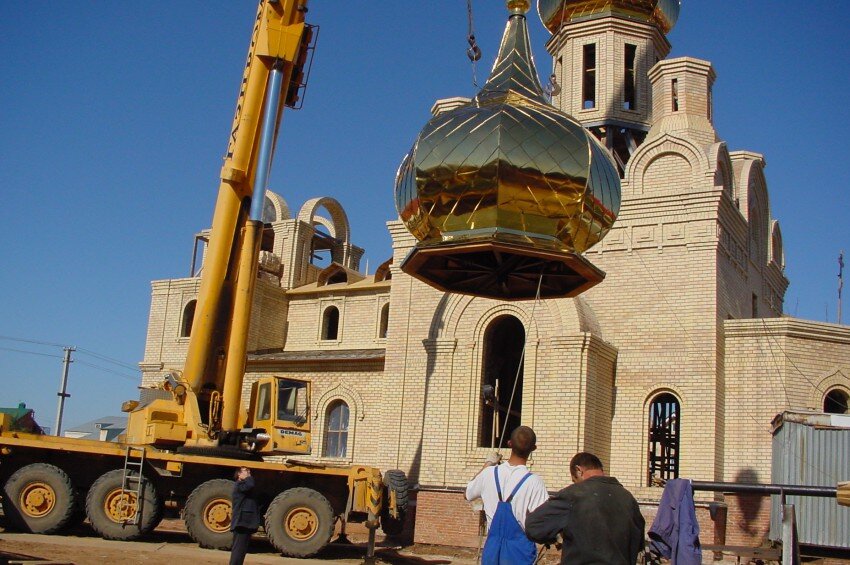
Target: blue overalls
[[506, 543]]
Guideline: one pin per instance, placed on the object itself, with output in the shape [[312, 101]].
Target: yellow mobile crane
[[186, 436]]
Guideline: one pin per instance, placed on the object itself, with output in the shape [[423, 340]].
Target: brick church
[[673, 366]]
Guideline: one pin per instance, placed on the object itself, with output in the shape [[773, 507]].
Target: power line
[[107, 359], [36, 342], [30, 352], [83, 350], [107, 370]]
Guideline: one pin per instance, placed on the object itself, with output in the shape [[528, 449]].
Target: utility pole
[[66, 362]]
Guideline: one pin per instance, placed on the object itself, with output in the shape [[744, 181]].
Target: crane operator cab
[[281, 407]]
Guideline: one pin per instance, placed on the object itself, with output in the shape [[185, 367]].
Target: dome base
[[500, 270]]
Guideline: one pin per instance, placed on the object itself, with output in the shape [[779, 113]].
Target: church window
[[588, 90], [384, 322], [502, 381], [188, 318], [674, 91], [664, 416], [836, 401], [330, 323], [629, 91], [336, 430]]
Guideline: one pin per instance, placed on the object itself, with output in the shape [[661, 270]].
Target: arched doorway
[[501, 380]]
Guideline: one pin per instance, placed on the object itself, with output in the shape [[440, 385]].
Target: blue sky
[[115, 116]]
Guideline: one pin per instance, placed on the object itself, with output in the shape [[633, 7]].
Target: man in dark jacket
[[245, 517], [599, 521]]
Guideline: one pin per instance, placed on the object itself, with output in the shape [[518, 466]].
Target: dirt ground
[[169, 544]]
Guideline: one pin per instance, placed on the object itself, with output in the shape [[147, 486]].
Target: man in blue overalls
[[509, 492]]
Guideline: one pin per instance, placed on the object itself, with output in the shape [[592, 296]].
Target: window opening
[[291, 400], [836, 401], [589, 77], [385, 321], [709, 103], [664, 416], [330, 323], [321, 246], [674, 88], [188, 318], [755, 305], [336, 430], [504, 340], [264, 402], [629, 94]]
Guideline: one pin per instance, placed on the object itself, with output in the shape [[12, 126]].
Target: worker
[[245, 517], [509, 492], [598, 520]]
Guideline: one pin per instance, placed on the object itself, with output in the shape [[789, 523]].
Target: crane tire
[[299, 522], [207, 514], [107, 508], [396, 481], [39, 498], [225, 451]]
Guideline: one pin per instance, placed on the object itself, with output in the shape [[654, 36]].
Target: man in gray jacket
[[599, 520]]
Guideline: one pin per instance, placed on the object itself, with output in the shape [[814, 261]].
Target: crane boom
[[215, 362]]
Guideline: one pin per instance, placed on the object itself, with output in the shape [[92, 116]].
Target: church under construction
[[673, 366]]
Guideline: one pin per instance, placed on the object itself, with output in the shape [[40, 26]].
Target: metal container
[[812, 448]]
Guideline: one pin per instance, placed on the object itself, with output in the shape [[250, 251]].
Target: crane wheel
[[39, 498], [112, 510], [397, 488], [208, 513], [299, 522]]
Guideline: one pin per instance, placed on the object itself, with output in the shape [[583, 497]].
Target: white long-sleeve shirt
[[531, 494]]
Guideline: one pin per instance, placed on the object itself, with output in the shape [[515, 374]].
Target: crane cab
[[281, 406]]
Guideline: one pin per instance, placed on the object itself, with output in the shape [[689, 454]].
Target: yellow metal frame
[[217, 349]]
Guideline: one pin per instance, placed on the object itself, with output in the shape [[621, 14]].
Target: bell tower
[[602, 52]]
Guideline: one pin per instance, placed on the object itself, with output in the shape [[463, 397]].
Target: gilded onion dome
[[508, 168], [555, 13]]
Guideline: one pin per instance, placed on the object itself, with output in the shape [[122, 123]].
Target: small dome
[[555, 13], [509, 162], [507, 169]]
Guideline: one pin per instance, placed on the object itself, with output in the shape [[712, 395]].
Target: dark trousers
[[241, 540]]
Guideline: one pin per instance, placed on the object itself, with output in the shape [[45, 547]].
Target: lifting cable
[[521, 361], [473, 52]]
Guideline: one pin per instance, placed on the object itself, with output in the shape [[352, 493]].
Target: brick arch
[[337, 224], [839, 377], [723, 176], [340, 392], [665, 146], [281, 207], [551, 317], [776, 251], [752, 184]]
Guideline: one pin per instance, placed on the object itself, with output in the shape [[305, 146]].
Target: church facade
[[673, 366]]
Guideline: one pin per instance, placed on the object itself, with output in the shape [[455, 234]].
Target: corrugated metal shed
[[812, 448]]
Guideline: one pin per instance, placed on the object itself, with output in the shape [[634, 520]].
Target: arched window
[[384, 322], [501, 383], [664, 416], [336, 430], [836, 401], [188, 318], [330, 323]]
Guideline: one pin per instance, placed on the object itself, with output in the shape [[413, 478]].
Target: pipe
[[267, 138], [786, 490]]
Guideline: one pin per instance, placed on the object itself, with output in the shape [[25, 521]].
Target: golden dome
[[555, 13], [508, 167]]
